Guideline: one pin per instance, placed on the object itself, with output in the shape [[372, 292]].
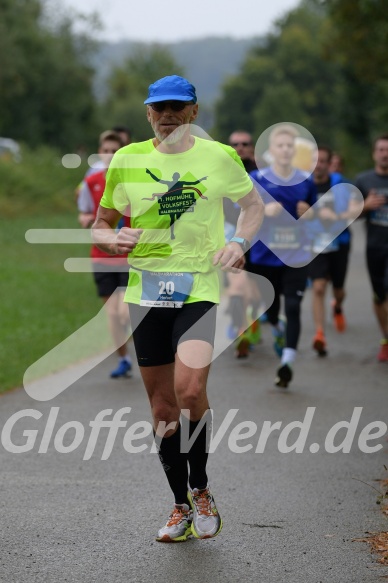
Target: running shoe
[[383, 352], [284, 376], [338, 318], [207, 522], [319, 343], [242, 344], [123, 369], [279, 338], [178, 526], [254, 332]]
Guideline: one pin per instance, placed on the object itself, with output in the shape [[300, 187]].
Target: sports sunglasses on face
[[160, 106]]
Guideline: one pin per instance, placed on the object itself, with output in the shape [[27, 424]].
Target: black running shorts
[[158, 331], [289, 281], [107, 281], [331, 266], [377, 261]]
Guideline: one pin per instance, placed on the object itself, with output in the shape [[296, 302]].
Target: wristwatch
[[245, 244]]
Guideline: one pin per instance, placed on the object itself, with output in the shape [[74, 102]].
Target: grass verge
[[41, 303]]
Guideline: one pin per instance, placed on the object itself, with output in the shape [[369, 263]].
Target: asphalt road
[[288, 517]]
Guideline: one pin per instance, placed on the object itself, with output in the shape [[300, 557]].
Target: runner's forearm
[[104, 236], [251, 217]]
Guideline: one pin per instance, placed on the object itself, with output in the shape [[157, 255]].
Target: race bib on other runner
[[165, 289], [380, 216], [284, 237], [324, 244]]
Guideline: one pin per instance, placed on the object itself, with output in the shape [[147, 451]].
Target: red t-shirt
[[96, 185]]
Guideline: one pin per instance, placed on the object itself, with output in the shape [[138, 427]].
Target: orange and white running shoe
[[178, 526], [207, 522]]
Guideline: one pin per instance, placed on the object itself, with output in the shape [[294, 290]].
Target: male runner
[[110, 274], [283, 251], [374, 187], [243, 293], [173, 285], [335, 208]]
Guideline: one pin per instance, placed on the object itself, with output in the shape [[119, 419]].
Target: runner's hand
[[373, 201], [230, 258], [304, 210], [273, 209], [327, 214], [86, 220], [126, 240]]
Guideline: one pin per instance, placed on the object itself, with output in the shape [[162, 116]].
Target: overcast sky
[[172, 20]]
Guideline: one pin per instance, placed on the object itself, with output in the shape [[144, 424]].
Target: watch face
[[244, 243]]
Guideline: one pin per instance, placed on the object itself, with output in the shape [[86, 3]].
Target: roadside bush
[[38, 184]]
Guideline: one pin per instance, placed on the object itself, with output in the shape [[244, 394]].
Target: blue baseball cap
[[171, 88]]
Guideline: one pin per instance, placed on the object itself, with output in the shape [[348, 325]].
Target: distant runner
[[374, 187]]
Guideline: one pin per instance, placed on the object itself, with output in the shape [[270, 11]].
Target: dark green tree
[[359, 35], [285, 78], [45, 80], [357, 40]]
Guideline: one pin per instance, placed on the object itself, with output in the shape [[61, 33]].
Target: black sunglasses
[[235, 144], [160, 106]]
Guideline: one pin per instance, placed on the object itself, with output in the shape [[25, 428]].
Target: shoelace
[[203, 501], [177, 515]]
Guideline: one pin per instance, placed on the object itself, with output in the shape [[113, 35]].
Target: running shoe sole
[[196, 535], [180, 539], [125, 375]]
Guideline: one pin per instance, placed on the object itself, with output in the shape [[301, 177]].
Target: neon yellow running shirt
[[177, 200]]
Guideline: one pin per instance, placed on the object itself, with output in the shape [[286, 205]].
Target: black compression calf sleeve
[[174, 463], [198, 453], [292, 309]]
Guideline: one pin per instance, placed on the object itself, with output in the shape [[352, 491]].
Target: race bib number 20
[[165, 289]]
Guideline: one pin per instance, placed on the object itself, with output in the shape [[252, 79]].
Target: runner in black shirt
[[374, 187]]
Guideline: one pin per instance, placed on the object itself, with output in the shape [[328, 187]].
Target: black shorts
[[377, 262], [332, 266], [158, 331], [288, 281], [107, 280]]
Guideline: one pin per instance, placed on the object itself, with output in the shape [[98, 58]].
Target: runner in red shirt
[[110, 273]]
